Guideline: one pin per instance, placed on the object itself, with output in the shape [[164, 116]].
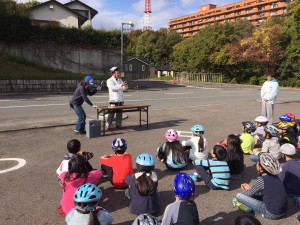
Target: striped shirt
[[219, 170]]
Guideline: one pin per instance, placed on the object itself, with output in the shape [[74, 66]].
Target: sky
[[111, 13]]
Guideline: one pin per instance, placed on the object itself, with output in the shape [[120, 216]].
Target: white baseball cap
[[288, 149], [113, 69]]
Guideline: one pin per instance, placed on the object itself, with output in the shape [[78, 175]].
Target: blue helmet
[[285, 118], [89, 80], [184, 186], [119, 144], [87, 197], [198, 129], [145, 159]]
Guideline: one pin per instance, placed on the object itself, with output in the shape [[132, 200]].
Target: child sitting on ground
[[198, 144], [142, 190], [234, 156], [247, 140], [76, 176], [290, 173], [270, 145], [218, 176], [298, 136], [172, 152], [74, 147], [86, 209], [260, 122], [183, 210], [267, 187], [289, 117], [117, 166], [286, 133]]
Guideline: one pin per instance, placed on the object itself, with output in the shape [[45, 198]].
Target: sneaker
[[241, 206], [82, 132], [104, 173], [194, 176], [119, 127], [76, 131]]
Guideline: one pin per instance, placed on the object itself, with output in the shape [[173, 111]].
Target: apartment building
[[256, 11]]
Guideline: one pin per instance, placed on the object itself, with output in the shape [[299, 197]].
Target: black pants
[[109, 172]]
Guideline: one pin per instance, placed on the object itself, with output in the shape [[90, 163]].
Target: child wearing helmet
[[218, 174], [247, 140], [143, 186], [290, 173], [117, 166], [198, 144], [234, 156], [172, 152], [270, 145], [286, 133], [298, 136], [76, 176], [267, 195], [86, 209], [260, 122], [183, 210]]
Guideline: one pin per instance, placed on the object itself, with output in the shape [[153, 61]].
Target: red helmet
[[291, 115]]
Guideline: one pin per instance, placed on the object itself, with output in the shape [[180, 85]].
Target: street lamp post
[[130, 26]]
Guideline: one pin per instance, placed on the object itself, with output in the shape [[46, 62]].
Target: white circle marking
[[21, 163]]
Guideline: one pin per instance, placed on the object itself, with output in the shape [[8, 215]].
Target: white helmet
[[272, 130], [261, 119]]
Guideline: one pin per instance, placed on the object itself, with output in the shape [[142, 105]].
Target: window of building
[[208, 19], [126, 67], [261, 15], [249, 11], [200, 20], [217, 17], [237, 19], [143, 68], [227, 20], [274, 5], [273, 13], [130, 67], [237, 13], [284, 11], [178, 26], [248, 17], [200, 26], [260, 8], [227, 15], [183, 29], [192, 23]]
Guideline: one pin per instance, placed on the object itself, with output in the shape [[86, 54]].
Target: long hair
[[144, 184], [93, 220], [177, 152], [234, 149], [201, 144], [77, 165], [83, 83]]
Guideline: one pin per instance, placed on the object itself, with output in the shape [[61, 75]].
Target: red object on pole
[[147, 16], [174, 82]]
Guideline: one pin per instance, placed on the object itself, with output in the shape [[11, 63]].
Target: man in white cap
[[116, 86], [290, 173]]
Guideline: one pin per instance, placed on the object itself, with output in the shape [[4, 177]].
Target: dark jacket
[[80, 96]]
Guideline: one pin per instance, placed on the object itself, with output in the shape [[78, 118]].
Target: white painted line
[[21, 163], [205, 88], [106, 96], [183, 93]]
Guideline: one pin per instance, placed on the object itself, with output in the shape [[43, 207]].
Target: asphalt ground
[[31, 194]]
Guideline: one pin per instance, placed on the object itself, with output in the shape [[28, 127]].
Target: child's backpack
[[146, 219]]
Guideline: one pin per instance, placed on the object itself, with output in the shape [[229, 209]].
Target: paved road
[[30, 195], [19, 112]]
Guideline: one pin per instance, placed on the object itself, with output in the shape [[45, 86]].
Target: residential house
[[72, 14], [139, 68], [164, 71]]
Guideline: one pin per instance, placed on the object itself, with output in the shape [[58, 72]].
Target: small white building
[[72, 14]]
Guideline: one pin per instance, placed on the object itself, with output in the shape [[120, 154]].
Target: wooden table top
[[121, 107]]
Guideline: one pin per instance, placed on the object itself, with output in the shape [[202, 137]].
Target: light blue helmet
[[86, 197], [184, 186], [145, 159], [119, 144], [198, 129]]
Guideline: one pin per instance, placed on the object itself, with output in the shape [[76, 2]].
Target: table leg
[[104, 123], [147, 117], [140, 117]]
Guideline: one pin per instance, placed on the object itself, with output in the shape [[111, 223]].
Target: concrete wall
[[76, 59], [65, 17], [40, 86]]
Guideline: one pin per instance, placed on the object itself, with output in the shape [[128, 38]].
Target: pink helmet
[[171, 135]]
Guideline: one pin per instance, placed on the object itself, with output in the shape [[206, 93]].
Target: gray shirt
[[272, 146]]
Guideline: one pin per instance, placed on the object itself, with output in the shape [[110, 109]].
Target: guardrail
[[198, 77]]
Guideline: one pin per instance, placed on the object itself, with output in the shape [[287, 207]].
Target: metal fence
[[199, 77]]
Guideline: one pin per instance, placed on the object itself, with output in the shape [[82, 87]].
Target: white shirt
[[270, 90], [115, 89], [194, 152]]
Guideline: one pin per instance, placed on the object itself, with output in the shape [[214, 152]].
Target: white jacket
[[115, 89], [270, 90], [194, 153]]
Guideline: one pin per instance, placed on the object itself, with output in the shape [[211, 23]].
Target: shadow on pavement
[[248, 175], [111, 196], [222, 218]]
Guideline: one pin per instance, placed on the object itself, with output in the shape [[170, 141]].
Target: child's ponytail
[[201, 144], [144, 184]]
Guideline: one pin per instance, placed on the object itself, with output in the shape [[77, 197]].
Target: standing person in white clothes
[[268, 94], [116, 86]]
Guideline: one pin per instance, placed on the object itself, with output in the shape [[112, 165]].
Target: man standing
[[116, 86], [268, 94]]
